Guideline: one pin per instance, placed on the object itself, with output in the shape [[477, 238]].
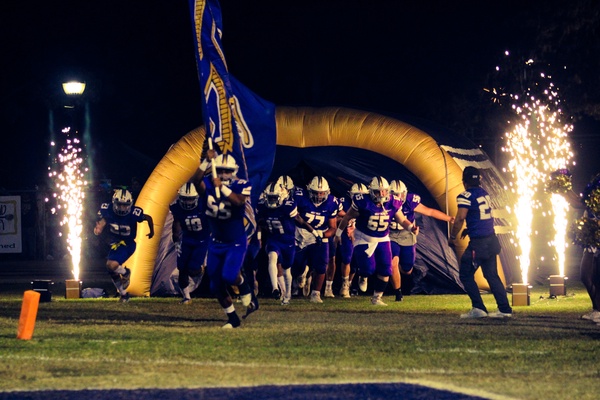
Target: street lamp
[[73, 87]]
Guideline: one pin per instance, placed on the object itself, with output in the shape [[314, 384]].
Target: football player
[[278, 217], [372, 249], [226, 198], [346, 242], [318, 208], [122, 219], [191, 236], [404, 243]]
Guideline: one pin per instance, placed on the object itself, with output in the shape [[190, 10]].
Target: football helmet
[[286, 182], [275, 195], [122, 201], [226, 168], [379, 189], [358, 188], [188, 196], [399, 189], [318, 190]]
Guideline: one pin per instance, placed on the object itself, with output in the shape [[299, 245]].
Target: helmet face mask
[[226, 168], [122, 201], [379, 190], [318, 190], [399, 189], [275, 195], [358, 188], [188, 196], [286, 182]]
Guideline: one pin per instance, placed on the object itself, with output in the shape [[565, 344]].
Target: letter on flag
[[238, 121]]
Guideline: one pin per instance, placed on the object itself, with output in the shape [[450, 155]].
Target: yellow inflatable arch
[[302, 127]]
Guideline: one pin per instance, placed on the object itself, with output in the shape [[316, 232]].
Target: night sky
[[428, 59]]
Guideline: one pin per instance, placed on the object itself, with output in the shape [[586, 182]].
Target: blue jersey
[[227, 221], [279, 221], [373, 220], [121, 227], [479, 215], [194, 223]]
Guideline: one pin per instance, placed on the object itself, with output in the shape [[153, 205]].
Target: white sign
[[10, 224]]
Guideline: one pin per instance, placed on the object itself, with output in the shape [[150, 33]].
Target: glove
[[178, 248], [318, 235], [464, 233]]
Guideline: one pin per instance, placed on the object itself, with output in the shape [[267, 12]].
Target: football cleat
[[329, 293], [363, 283], [124, 298], [126, 278], [499, 315], [474, 313], [252, 307], [315, 297], [345, 290], [376, 301]]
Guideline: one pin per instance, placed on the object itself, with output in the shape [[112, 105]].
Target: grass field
[[544, 352]]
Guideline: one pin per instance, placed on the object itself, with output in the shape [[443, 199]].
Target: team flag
[[238, 121]]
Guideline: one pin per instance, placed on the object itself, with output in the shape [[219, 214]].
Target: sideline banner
[[10, 224]]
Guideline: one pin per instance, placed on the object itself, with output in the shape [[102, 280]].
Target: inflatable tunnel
[[431, 167]]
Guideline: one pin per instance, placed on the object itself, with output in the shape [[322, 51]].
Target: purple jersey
[[408, 209], [226, 220], [279, 221], [194, 224], [479, 215], [121, 227], [373, 220], [345, 203], [316, 216]]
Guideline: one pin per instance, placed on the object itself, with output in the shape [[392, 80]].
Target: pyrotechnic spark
[[538, 146], [70, 183]]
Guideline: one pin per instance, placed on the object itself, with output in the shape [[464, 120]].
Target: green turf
[[544, 352]]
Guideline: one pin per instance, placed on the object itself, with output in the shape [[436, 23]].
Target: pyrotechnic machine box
[[521, 294], [72, 289]]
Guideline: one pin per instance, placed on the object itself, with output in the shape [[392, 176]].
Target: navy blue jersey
[[194, 223], [279, 221], [121, 227], [227, 221], [479, 215]]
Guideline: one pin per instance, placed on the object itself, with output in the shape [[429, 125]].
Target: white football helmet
[[122, 201], [318, 190], [226, 168], [188, 196], [358, 188], [379, 189], [275, 195], [399, 189], [286, 182]]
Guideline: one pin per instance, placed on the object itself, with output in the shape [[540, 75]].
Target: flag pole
[[214, 168]]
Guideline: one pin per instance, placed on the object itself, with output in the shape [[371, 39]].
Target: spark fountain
[[538, 149], [69, 180]]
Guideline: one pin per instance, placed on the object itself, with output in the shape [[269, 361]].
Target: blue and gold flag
[[238, 121]]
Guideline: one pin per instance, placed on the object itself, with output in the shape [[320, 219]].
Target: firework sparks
[[538, 146], [70, 183]]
